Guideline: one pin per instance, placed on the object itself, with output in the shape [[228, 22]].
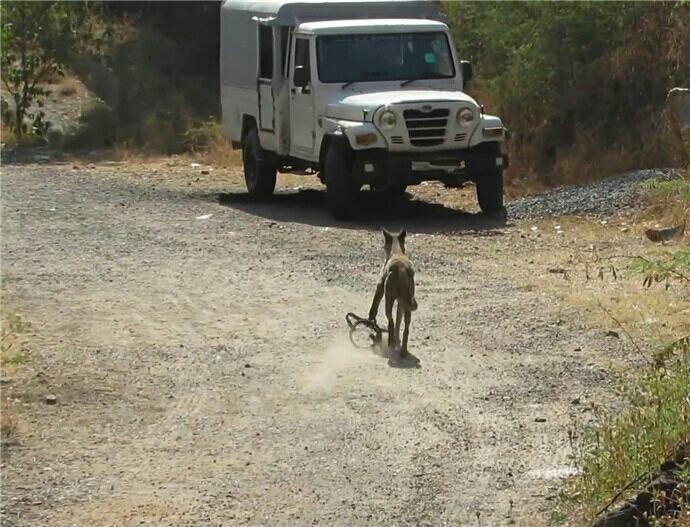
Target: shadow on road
[[409, 361], [308, 206]]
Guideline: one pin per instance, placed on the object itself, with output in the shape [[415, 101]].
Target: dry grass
[[97, 128], [151, 87], [668, 204], [10, 140], [12, 337], [69, 86], [221, 154], [12, 358], [9, 422], [634, 440], [7, 137], [584, 161], [625, 444], [206, 143], [203, 145], [521, 182], [603, 280]]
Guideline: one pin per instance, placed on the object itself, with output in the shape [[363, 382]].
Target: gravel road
[[196, 344]]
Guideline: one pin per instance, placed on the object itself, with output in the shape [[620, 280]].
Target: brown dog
[[397, 282]]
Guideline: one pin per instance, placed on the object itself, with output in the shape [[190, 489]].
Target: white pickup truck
[[360, 92]]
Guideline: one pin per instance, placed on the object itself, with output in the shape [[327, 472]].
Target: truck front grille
[[426, 128]]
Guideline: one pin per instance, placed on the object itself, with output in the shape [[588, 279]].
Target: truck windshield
[[384, 57]]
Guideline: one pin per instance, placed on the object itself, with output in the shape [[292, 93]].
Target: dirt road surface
[[196, 344]]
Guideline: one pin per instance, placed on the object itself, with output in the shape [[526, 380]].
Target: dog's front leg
[[377, 300]]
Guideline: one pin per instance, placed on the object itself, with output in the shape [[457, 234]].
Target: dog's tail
[[405, 279]]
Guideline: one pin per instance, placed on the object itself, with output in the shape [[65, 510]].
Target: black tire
[[259, 172], [489, 181], [341, 188], [399, 190], [490, 190]]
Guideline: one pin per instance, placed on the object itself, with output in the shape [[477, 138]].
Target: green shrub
[[36, 41], [676, 189], [634, 442], [152, 100], [96, 129], [576, 81], [201, 136], [673, 265]]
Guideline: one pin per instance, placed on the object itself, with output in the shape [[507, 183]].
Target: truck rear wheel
[[259, 172], [489, 181], [341, 187]]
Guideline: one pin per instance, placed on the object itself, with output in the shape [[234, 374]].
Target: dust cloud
[[336, 365]]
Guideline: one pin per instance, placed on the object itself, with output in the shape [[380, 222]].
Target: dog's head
[[394, 241]]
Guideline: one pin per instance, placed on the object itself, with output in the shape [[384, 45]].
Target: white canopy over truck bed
[[245, 24], [240, 18]]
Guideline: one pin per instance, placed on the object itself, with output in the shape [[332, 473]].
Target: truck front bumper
[[453, 167], [466, 157]]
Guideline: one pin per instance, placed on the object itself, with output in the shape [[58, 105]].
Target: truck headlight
[[464, 116], [388, 120]]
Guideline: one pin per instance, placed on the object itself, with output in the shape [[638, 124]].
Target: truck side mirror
[[466, 69], [300, 78]]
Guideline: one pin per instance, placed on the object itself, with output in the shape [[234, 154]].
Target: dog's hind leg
[[398, 323], [391, 325], [406, 333]]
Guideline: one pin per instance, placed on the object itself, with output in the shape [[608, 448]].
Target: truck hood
[[361, 106]]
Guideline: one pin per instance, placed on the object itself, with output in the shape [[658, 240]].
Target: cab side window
[[265, 52], [302, 55]]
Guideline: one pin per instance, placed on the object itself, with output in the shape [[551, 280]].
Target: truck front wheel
[[489, 181], [341, 187], [489, 186], [259, 172]]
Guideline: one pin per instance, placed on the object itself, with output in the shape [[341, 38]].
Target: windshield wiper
[[369, 76], [408, 81]]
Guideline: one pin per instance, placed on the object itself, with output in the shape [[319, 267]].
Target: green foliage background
[[577, 79], [37, 39]]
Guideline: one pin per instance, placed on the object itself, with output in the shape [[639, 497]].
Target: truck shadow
[[308, 206]]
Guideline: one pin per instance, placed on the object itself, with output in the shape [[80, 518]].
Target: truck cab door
[[302, 112], [266, 98]]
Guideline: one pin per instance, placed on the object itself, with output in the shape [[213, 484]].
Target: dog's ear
[[388, 240], [401, 239]]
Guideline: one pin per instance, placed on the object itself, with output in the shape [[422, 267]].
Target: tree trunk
[[18, 118]]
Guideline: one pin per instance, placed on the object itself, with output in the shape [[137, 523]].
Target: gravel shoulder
[[602, 198], [196, 343]]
